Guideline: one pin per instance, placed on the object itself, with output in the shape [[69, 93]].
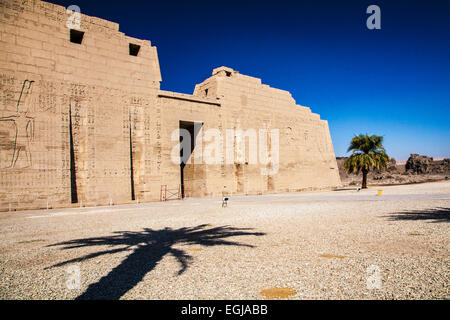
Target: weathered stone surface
[[87, 124], [422, 164], [419, 164], [392, 166]]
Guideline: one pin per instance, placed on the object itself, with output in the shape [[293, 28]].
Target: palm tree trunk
[[364, 181]]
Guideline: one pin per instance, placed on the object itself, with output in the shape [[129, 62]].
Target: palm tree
[[367, 154]]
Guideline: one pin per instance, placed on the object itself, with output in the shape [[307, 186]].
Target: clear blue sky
[[393, 82]]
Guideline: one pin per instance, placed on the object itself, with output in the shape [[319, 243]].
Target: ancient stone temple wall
[[66, 108], [83, 121], [306, 155]]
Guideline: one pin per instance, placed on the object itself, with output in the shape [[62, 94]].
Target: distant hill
[[415, 169]]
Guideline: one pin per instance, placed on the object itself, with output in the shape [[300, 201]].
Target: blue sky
[[393, 82]]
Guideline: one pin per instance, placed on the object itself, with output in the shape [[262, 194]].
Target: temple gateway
[[83, 122]]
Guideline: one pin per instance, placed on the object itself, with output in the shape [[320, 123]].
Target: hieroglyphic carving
[[222, 162], [158, 140], [126, 125], [306, 138], [65, 138], [47, 96], [7, 92], [147, 139], [23, 125]]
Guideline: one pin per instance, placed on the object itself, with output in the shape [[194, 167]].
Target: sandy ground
[[323, 245]]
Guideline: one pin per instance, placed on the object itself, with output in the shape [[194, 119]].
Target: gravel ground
[[323, 245]]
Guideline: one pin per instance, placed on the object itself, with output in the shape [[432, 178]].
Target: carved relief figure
[[23, 125]]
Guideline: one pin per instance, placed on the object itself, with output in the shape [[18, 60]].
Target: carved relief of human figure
[[23, 125]]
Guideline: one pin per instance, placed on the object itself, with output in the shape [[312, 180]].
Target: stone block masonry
[[87, 124]]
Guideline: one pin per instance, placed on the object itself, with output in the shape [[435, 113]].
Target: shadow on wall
[[147, 248], [434, 215]]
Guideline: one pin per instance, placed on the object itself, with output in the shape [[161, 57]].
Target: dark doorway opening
[[186, 149], [73, 175]]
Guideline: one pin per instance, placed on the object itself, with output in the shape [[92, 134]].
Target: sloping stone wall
[[86, 124]]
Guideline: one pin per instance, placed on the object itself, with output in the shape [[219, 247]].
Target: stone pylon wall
[[93, 91], [86, 124], [306, 155]]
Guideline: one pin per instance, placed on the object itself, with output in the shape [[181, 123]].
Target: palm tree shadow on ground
[[434, 215], [147, 248]]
